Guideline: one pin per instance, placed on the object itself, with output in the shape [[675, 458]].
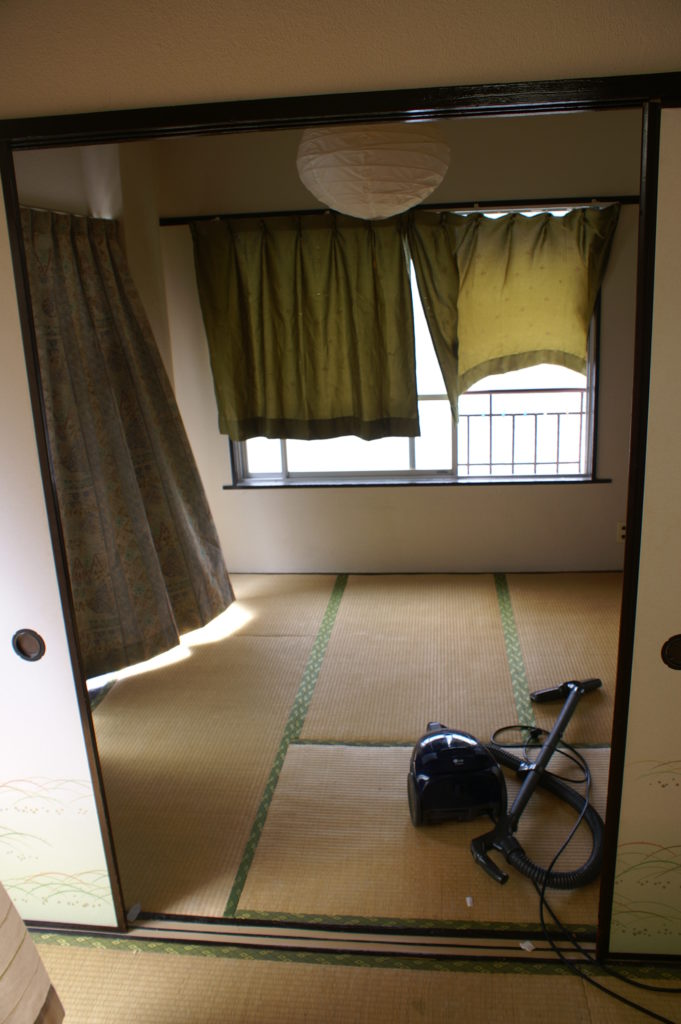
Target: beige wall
[[584, 154], [94, 55]]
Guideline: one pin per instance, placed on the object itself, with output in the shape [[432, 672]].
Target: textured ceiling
[[81, 55]]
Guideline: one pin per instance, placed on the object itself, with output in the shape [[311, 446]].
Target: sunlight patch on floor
[[175, 654], [227, 623]]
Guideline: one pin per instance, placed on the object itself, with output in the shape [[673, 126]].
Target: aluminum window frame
[[242, 478]]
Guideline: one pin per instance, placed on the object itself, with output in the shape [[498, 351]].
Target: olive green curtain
[[142, 551], [503, 293], [309, 324]]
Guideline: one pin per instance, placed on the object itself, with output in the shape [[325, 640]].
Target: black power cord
[[532, 735]]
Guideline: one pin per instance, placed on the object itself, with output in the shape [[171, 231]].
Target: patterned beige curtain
[[143, 554]]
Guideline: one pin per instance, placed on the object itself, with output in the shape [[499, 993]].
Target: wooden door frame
[[649, 93]]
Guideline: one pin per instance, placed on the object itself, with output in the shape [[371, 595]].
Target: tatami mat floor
[[288, 738], [338, 845], [126, 983], [329, 680]]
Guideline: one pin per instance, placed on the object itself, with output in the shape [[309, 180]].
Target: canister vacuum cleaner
[[452, 776]]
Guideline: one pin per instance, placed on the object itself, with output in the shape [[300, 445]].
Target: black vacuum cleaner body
[[452, 776]]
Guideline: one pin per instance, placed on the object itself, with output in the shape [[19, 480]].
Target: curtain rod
[[496, 205]]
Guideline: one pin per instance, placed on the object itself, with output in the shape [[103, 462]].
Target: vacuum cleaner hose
[[558, 879]]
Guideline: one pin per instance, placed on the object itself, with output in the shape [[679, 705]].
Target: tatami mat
[[568, 628], [188, 750], [339, 843], [407, 650], [185, 753], [285, 604], [180, 985]]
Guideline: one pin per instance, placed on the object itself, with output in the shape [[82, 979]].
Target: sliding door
[[646, 911], [53, 859]]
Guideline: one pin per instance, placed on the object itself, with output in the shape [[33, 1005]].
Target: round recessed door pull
[[28, 644], [671, 652]]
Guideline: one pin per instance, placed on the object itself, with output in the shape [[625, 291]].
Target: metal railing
[[542, 432], [514, 433]]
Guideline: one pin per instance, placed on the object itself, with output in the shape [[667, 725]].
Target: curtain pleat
[[504, 293], [310, 326], [142, 550]]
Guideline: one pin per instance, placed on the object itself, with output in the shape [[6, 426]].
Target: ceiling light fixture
[[372, 171]]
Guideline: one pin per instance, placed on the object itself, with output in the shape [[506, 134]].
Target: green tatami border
[[456, 964], [292, 731], [426, 925], [292, 736], [514, 654], [449, 964], [296, 721]]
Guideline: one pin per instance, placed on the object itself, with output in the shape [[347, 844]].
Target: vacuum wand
[[574, 690], [502, 835]]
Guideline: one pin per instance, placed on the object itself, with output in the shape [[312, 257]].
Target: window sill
[[430, 481]]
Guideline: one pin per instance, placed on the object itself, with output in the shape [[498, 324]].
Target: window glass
[[264, 455], [433, 449], [348, 455], [525, 423], [429, 379]]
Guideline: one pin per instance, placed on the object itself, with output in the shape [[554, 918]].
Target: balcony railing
[[499, 434], [523, 433]]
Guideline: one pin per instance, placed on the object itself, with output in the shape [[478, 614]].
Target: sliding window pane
[[502, 439], [433, 449], [348, 455], [429, 379], [462, 445], [570, 440], [480, 445], [264, 455], [547, 441], [524, 446]]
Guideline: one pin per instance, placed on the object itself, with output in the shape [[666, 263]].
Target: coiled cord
[[555, 785]]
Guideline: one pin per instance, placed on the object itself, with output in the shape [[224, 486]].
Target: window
[[522, 425], [530, 423]]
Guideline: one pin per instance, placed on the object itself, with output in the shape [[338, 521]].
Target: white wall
[[73, 180]]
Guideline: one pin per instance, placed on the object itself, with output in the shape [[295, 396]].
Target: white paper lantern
[[372, 171]]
